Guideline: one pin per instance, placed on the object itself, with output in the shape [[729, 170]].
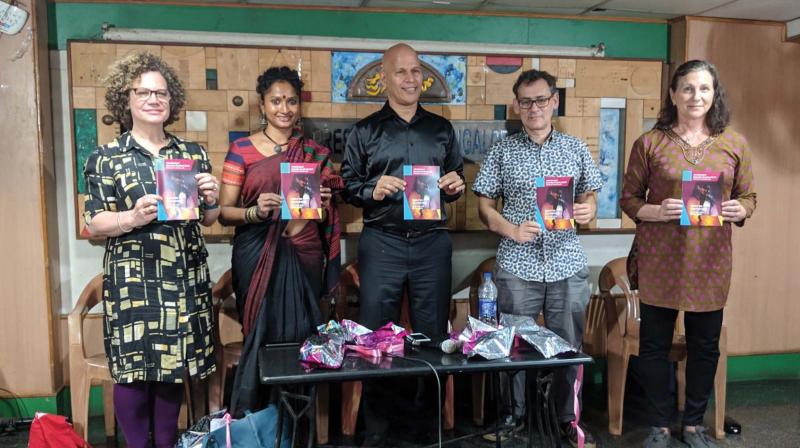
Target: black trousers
[[387, 264], [702, 343]]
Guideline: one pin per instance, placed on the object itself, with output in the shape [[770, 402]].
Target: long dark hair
[[718, 116]]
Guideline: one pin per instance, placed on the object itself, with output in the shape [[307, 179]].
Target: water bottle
[[487, 300]]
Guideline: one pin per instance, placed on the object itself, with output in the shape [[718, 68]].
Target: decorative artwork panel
[[355, 76]]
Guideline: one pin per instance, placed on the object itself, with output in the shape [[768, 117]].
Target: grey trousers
[[564, 304]]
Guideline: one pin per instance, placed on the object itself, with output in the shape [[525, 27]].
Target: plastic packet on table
[[353, 330], [491, 345], [335, 331], [321, 351], [542, 339], [388, 339]]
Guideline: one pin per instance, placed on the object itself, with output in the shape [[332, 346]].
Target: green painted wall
[[622, 39]]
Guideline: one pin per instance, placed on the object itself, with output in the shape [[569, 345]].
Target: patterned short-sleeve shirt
[[156, 285], [509, 172]]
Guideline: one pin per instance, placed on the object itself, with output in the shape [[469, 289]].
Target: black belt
[[407, 233]]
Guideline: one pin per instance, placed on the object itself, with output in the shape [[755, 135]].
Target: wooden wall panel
[[29, 272], [189, 64], [618, 79], [633, 129], [762, 306]]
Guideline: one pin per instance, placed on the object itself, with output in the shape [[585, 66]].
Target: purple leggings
[[145, 406]]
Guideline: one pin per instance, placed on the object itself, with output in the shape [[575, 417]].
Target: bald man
[[393, 253]]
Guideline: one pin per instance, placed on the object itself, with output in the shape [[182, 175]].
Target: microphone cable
[[438, 389]]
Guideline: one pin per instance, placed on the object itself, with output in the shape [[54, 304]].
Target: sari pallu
[[274, 277]]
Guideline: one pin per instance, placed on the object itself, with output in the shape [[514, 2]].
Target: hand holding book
[[670, 209], [266, 203], [733, 211], [325, 196], [451, 183], [145, 209], [583, 212], [207, 186], [387, 186], [525, 232]]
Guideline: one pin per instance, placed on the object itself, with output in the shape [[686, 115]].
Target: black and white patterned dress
[[156, 285]]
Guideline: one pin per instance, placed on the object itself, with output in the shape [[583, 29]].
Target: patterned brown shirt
[[156, 286], [680, 267]]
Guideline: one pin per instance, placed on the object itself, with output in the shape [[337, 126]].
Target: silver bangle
[[119, 224]]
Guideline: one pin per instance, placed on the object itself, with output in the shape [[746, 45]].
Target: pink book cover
[[177, 186], [701, 192], [555, 200], [300, 185], [421, 199]]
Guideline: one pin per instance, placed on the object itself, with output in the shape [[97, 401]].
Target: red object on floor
[[54, 431]]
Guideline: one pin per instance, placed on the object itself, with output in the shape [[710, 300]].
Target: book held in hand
[[300, 185], [421, 199], [701, 193], [555, 200], [177, 186]]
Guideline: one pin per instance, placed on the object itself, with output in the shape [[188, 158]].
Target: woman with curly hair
[[156, 287], [281, 269]]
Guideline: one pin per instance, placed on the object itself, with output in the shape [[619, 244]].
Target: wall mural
[[355, 76], [609, 163]]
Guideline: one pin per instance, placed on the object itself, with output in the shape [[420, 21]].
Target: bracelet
[[251, 215], [213, 206], [119, 224]]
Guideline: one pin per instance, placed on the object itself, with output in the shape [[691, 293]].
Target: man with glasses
[[539, 270]]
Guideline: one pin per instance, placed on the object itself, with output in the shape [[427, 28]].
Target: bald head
[[392, 52], [402, 76]]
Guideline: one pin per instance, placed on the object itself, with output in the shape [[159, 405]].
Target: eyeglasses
[[143, 94], [541, 102]]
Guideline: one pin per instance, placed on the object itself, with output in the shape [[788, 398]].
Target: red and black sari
[[279, 280]]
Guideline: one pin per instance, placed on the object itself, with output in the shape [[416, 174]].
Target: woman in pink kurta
[[684, 268]]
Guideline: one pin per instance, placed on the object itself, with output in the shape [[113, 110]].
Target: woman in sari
[[281, 269]]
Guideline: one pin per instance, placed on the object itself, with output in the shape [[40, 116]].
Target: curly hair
[[718, 116], [125, 71], [276, 74]]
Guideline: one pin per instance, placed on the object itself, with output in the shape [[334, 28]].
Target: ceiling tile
[[674, 7], [780, 10]]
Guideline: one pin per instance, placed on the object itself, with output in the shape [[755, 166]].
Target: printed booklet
[[177, 186], [555, 199], [422, 200], [701, 192], [300, 185]]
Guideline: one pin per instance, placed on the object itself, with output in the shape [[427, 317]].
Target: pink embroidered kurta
[[681, 267]]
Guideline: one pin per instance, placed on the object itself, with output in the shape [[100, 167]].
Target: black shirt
[[381, 144]]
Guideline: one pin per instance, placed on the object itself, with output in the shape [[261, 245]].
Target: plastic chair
[[228, 338], [87, 370], [349, 282], [623, 319]]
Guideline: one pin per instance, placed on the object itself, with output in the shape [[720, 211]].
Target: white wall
[[81, 260]]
